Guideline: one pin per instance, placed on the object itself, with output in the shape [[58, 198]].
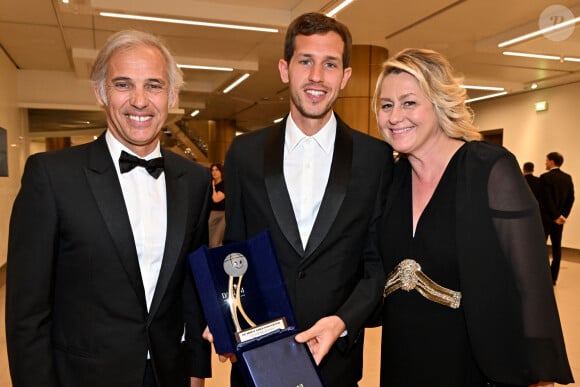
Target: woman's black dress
[[425, 343]]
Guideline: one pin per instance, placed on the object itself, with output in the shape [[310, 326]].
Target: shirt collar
[[115, 148], [324, 137]]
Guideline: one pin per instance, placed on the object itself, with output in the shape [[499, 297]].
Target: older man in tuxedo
[[98, 291]]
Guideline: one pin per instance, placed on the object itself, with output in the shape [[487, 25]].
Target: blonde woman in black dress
[[468, 299]]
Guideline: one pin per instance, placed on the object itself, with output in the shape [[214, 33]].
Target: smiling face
[[137, 89], [406, 117], [315, 75]]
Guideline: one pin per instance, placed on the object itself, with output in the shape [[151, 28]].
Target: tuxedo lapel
[[104, 183], [177, 195], [336, 188], [276, 186]]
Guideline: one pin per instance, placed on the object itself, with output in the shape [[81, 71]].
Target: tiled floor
[[567, 294]]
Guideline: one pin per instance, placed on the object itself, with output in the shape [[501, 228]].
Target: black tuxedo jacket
[[339, 272], [76, 313], [557, 194], [535, 185]]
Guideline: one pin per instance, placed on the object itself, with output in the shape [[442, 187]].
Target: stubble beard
[[296, 101]]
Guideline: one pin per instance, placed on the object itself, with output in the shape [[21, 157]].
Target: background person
[[317, 185], [98, 291], [483, 311], [533, 181], [217, 215], [556, 204]]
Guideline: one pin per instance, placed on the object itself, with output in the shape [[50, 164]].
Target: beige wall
[[530, 135], [11, 121]]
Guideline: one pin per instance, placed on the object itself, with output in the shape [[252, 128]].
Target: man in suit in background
[[533, 181], [98, 289], [317, 185], [555, 206]]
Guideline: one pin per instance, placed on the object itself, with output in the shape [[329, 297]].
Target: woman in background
[[469, 299], [217, 216]]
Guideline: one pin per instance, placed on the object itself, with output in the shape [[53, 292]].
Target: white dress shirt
[[307, 161], [146, 201]]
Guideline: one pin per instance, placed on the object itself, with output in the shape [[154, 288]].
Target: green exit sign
[[541, 106]]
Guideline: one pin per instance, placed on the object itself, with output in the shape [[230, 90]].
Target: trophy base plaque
[[261, 330]]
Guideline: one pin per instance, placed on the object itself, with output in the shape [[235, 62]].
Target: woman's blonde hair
[[435, 76]]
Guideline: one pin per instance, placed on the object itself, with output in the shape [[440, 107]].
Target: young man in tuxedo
[[556, 204], [98, 289], [318, 186]]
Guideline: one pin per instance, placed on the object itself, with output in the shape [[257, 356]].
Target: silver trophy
[[235, 266]]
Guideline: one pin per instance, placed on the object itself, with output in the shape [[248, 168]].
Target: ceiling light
[[486, 97], [534, 86], [540, 56], [471, 87], [526, 55], [194, 113], [338, 8], [539, 32], [236, 82], [213, 68], [188, 22], [278, 120]]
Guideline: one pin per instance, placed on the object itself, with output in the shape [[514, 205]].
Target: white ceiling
[[48, 35]]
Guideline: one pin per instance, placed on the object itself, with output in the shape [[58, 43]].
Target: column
[[353, 104]]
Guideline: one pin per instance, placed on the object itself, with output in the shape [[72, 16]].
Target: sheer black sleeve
[[516, 218]]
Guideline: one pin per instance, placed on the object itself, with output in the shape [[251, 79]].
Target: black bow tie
[[127, 162]]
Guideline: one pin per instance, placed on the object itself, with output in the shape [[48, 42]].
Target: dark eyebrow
[[328, 57]]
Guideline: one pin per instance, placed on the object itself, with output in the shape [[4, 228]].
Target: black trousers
[[149, 377], [554, 231]]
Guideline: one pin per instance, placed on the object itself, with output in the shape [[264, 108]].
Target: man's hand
[[322, 335], [222, 357], [196, 382]]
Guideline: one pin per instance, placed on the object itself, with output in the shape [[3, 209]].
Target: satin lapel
[[276, 186], [177, 197], [104, 182], [336, 188]]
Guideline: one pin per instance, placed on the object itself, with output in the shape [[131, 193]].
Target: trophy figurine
[[235, 266]]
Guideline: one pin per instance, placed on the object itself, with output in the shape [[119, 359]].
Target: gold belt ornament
[[407, 275]]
